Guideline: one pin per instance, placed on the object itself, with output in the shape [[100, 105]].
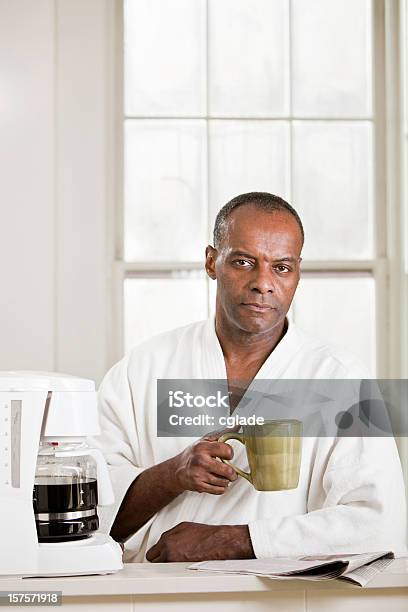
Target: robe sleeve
[[357, 506], [118, 442]]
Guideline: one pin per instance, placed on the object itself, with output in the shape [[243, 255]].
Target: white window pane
[[247, 156], [165, 190], [165, 57], [331, 58], [248, 57], [332, 188], [340, 310], [154, 305]]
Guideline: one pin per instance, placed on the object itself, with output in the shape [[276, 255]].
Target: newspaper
[[356, 568]]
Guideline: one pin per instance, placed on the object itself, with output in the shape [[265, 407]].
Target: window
[[226, 97]]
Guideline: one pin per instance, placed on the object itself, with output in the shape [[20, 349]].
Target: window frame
[[385, 267]]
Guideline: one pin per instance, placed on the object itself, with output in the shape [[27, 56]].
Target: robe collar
[[274, 366]]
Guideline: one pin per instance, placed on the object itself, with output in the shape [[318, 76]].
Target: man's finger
[[221, 469], [213, 436], [217, 481], [221, 449], [154, 552], [162, 558], [213, 489]]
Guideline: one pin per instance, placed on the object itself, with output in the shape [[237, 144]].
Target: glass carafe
[[65, 495]]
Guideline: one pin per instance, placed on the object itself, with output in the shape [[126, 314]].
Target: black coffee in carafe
[[65, 508]]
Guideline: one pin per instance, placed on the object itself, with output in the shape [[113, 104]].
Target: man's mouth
[[256, 307]]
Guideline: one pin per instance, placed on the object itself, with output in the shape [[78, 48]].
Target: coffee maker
[[51, 480]]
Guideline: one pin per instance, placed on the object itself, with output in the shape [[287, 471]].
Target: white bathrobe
[[351, 495]]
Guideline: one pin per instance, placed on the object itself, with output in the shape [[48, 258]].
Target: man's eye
[[282, 268], [242, 263]]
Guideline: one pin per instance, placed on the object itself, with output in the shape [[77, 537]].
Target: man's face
[[257, 267]]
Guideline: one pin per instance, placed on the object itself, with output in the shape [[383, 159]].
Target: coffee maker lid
[[30, 380]]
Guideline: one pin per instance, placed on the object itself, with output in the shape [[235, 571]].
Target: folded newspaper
[[356, 568]]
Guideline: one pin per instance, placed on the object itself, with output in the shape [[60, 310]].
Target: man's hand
[[195, 469], [199, 542], [198, 469]]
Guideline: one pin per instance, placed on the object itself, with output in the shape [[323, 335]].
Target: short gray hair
[[262, 200]]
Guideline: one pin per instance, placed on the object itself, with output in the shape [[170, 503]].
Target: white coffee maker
[[51, 480]]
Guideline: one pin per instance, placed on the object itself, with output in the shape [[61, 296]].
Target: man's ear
[[210, 259]]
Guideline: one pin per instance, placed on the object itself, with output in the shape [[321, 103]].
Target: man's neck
[[244, 355], [244, 347]]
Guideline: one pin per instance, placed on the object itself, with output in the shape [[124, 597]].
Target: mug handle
[[235, 436]]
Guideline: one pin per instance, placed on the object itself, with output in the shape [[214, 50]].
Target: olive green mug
[[274, 452]]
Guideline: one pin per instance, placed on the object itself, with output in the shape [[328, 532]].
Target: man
[[175, 500]]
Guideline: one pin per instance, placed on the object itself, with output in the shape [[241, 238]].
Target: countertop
[[166, 578]]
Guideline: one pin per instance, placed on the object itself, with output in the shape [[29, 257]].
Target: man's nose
[[262, 281]]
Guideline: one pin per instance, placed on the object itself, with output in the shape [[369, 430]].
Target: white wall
[[55, 185]]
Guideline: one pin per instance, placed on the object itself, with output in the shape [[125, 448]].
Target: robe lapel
[[276, 366], [213, 364]]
